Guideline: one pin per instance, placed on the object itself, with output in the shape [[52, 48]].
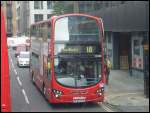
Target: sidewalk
[[126, 92]]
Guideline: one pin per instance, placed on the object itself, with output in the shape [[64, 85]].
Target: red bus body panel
[[5, 80], [68, 94]]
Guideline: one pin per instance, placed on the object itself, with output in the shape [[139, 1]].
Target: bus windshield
[[77, 51]]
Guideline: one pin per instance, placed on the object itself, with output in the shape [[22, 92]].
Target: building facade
[[29, 12], [40, 10], [9, 8], [21, 7], [126, 24]]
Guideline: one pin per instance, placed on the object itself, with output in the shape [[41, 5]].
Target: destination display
[[80, 50]]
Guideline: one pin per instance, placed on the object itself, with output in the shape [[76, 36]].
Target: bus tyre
[[53, 105], [44, 90], [33, 79]]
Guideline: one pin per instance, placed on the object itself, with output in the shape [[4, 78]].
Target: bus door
[[47, 76]]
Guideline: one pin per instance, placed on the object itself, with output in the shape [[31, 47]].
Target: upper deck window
[[76, 28]]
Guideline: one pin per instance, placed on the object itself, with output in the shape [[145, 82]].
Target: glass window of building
[[18, 24], [106, 3], [96, 6], [136, 44], [49, 16], [38, 4], [27, 4], [9, 2], [18, 11], [109, 37], [81, 7], [38, 17], [9, 25], [49, 4], [122, 2]]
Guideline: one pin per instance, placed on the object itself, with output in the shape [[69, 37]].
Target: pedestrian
[[108, 68]]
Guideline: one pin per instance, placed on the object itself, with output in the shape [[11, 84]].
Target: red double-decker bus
[[5, 79], [67, 58]]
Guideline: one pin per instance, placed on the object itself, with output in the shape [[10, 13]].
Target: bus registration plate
[[79, 99]]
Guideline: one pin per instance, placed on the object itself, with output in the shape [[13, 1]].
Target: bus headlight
[[100, 91], [57, 93]]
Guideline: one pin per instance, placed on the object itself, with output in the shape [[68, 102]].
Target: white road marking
[[13, 66], [15, 71], [25, 96], [20, 83], [12, 63], [11, 60]]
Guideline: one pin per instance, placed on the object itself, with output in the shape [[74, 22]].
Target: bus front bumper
[[76, 98]]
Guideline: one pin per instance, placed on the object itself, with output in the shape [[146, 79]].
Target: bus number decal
[[89, 49]]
